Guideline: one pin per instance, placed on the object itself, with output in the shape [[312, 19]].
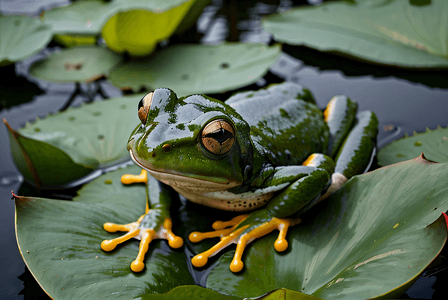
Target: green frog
[[270, 154]]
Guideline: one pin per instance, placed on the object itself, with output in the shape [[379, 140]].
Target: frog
[[269, 155]]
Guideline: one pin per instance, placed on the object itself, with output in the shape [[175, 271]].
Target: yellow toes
[[109, 245], [230, 235], [281, 245], [148, 235], [235, 221], [199, 260], [173, 240], [129, 179], [137, 266], [236, 265]]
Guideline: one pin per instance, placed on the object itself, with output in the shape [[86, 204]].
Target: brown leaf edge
[[28, 161]]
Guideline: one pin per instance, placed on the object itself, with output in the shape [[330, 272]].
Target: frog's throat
[[197, 183]]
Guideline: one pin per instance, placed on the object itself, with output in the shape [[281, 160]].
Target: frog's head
[[193, 141]]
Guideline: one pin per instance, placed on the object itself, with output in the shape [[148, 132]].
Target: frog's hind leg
[[242, 236], [352, 139], [224, 230], [340, 116]]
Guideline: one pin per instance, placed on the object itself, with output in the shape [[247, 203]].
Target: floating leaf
[[137, 32], [192, 292], [190, 69], [434, 143], [21, 37], [63, 254], [386, 32], [373, 237], [60, 243], [77, 64], [354, 244], [80, 17], [71, 144]]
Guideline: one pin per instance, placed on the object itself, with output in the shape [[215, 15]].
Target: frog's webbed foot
[[154, 224], [241, 231], [143, 230]]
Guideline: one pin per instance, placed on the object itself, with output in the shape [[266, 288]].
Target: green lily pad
[[386, 32], [371, 238], [63, 254], [22, 37], [77, 64], [191, 292], [434, 143], [79, 139], [60, 243], [89, 17], [355, 243], [190, 69], [80, 17]]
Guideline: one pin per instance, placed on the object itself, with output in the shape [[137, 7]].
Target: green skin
[[276, 130]]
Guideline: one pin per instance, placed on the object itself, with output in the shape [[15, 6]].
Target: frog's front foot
[[242, 230], [145, 229]]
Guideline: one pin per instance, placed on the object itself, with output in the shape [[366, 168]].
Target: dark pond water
[[404, 101]]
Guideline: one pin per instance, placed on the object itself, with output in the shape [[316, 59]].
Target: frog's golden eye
[[144, 106], [218, 137]]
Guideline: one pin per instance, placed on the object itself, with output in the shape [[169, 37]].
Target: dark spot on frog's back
[[180, 126]]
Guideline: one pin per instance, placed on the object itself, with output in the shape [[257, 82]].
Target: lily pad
[[391, 32], [80, 17], [60, 243], [190, 69], [354, 244], [371, 238], [71, 144], [77, 64], [22, 37], [434, 143], [137, 32]]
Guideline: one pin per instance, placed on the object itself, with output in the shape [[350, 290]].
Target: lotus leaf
[[80, 22], [22, 37], [391, 32], [190, 69], [434, 143], [77, 64], [59, 241], [371, 238], [79, 139], [137, 32]]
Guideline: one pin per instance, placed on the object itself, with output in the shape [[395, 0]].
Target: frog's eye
[[143, 107], [218, 137]]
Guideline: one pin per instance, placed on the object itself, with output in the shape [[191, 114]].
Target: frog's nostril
[[153, 154]]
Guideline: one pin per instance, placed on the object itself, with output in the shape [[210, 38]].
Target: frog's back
[[286, 125]]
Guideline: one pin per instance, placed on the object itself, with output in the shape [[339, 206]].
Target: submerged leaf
[[22, 37], [77, 64], [385, 32], [434, 143], [190, 69], [373, 237]]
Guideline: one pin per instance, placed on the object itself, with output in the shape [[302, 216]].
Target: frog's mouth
[[188, 181]]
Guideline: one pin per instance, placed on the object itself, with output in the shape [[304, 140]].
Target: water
[[403, 101]]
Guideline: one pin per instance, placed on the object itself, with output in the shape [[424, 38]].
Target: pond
[[404, 101]]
